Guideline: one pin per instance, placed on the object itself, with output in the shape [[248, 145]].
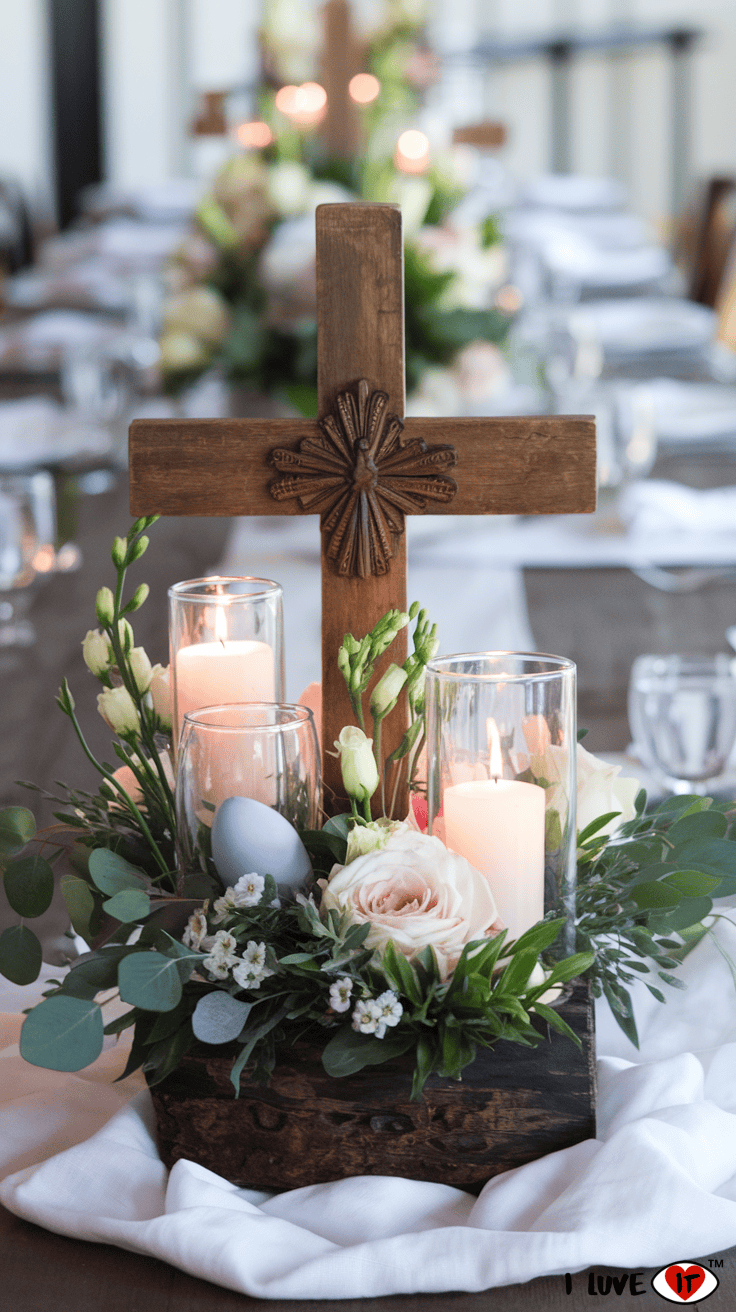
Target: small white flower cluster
[[340, 992], [246, 893], [376, 1015], [252, 969], [222, 959]]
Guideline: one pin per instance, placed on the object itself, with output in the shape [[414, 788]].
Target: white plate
[[691, 411], [573, 191]]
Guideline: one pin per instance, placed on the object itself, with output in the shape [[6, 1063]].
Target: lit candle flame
[[220, 624], [494, 749], [364, 88], [256, 134], [304, 105], [412, 152]]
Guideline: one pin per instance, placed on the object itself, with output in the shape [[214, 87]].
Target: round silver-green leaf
[[62, 1034], [20, 955], [29, 885], [219, 1017]]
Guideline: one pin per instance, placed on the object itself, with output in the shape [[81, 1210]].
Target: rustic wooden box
[[513, 1105]]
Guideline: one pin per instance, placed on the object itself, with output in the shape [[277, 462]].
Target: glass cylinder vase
[[265, 751], [226, 638], [501, 783]]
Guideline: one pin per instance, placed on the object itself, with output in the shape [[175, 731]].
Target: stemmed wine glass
[[682, 715], [27, 533]]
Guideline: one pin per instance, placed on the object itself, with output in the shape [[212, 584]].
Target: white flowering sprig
[[357, 660], [128, 705]]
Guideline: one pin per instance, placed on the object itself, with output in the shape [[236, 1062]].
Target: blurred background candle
[[501, 740], [226, 639], [497, 824]]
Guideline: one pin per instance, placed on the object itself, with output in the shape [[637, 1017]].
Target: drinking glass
[[27, 532], [264, 750], [226, 642], [682, 715], [501, 744]]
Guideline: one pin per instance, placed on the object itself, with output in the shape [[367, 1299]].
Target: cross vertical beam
[[360, 298]]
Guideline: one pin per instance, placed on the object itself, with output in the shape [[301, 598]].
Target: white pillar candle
[[215, 673], [498, 826]]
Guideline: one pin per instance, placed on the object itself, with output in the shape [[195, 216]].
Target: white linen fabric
[[658, 1183]]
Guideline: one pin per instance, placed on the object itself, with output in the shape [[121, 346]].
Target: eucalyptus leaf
[[698, 827], [17, 827], [20, 955], [692, 883], [717, 856], [94, 972], [29, 885], [127, 906], [63, 1034], [81, 905], [151, 981], [112, 874], [219, 1017], [648, 895]]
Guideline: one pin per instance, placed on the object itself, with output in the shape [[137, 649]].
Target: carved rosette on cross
[[362, 476]]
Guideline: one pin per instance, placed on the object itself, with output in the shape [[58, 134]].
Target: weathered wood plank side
[[486, 135], [513, 1105], [522, 465], [360, 299]]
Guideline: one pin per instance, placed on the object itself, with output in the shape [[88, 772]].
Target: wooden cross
[[342, 57], [358, 466]]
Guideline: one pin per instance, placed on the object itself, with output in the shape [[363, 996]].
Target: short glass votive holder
[[226, 639], [261, 750], [501, 782]]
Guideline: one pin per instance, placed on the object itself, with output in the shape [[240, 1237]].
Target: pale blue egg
[[249, 837]]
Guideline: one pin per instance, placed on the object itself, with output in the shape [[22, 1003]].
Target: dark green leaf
[[516, 975], [672, 980], [692, 883], [340, 825], [399, 972], [621, 1008], [127, 906], [94, 973], [164, 1056], [570, 967], [112, 874], [219, 1017], [17, 827], [349, 1052], [555, 1021], [698, 827], [62, 1034], [539, 937], [690, 912], [84, 912], [717, 856], [123, 1022], [20, 955], [29, 885], [595, 826], [252, 1036], [655, 894]]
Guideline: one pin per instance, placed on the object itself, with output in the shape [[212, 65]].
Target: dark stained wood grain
[[486, 135], [513, 1105], [536, 465]]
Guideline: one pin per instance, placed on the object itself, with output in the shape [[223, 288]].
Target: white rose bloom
[[600, 790], [415, 893]]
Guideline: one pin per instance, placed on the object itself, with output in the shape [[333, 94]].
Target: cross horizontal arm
[[520, 465]]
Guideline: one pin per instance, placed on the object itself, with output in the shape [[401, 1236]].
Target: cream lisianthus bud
[[119, 552], [359, 769], [386, 691], [96, 652], [160, 693], [118, 710], [125, 633], [140, 668], [105, 606]]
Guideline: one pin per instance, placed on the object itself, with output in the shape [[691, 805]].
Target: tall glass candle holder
[[501, 743], [226, 640], [262, 750]]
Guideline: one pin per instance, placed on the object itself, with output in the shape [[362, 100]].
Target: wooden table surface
[[41, 1270]]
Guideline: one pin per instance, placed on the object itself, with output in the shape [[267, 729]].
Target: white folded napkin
[[654, 506], [657, 1186]]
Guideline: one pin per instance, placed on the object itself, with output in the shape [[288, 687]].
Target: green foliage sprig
[[643, 899]]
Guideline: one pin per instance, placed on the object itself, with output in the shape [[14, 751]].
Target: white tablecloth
[[658, 1185]]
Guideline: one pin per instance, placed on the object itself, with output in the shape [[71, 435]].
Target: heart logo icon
[[684, 1281]]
